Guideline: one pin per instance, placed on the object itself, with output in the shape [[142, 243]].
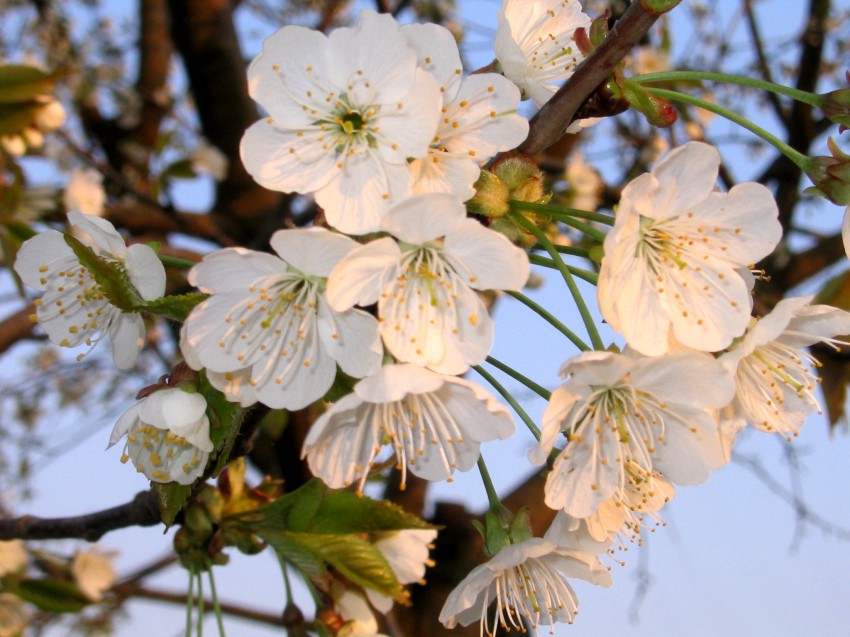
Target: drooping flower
[[775, 389], [168, 435], [425, 283], [93, 573], [478, 117], [535, 46], [268, 319], [617, 410], [623, 515], [346, 111], [353, 610], [406, 552], [528, 582], [673, 258], [84, 192], [74, 309], [435, 424]]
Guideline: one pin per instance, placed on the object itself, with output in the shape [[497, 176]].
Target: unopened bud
[[491, 196], [830, 175], [836, 106]]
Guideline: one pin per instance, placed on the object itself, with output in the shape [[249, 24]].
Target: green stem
[[176, 262], [798, 158], [673, 76], [492, 496], [287, 585], [190, 599], [576, 252], [545, 394], [560, 211], [543, 240], [550, 318], [216, 607], [201, 604], [504, 393], [590, 277], [569, 220]]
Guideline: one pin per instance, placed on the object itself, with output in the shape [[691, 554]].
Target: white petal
[[98, 233], [127, 334], [39, 252], [233, 270], [394, 382], [124, 423], [145, 271], [485, 259], [407, 128], [437, 52], [351, 338], [424, 218], [313, 251], [359, 278], [446, 173]]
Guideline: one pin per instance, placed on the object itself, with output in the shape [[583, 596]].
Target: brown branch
[[551, 122], [15, 327], [142, 510], [126, 591]]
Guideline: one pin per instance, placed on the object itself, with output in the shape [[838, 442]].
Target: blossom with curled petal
[[74, 309], [775, 388], [168, 436], [346, 111], [435, 424], [528, 582], [425, 282], [535, 46], [478, 117], [617, 410], [624, 515], [267, 322], [406, 552], [674, 257]]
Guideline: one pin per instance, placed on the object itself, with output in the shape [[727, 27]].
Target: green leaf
[[180, 169], [176, 307], [354, 557], [225, 422], [171, 498], [23, 83], [110, 276], [52, 596], [14, 118], [314, 508]]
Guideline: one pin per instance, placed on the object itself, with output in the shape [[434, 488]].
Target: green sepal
[[496, 535], [225, 421], [24, 83], [110, 276], [52, 596], [314, 508], [521, 526], [175, 307], [171, 497]]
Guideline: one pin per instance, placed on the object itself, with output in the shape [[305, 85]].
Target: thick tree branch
[[551, 122], [142, 510], [15, 327]]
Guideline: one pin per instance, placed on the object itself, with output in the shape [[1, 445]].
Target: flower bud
[[830, 175], [836, 106], [491, 196]]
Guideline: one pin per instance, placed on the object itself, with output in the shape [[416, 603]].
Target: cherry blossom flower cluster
[[384, 299]]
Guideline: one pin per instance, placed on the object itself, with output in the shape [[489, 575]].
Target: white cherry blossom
[[528, 582], [624, 515], [346, 111], [425, 282], [775, 388], [168, 436], [673, 258], [435, 424], [617, 410], [478, 117], [267, 322], [74, 309], [406, 552], [535, 46], [93, 573], [13, 556]]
